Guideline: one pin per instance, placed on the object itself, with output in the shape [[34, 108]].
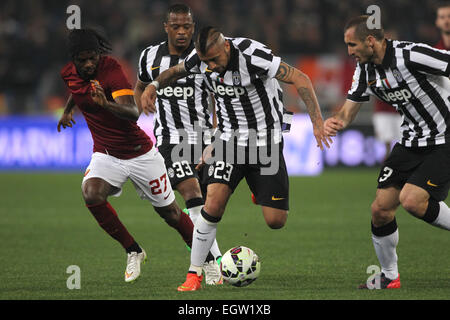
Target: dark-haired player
[[182, 116], [122, 150], [414, 78], [242, 74]]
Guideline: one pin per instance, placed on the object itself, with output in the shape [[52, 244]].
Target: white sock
[[443, 218], [202, 240], [194, 213], [385, 248]]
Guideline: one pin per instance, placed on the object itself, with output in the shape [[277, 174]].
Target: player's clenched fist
[[98, 94], [148, 99], [332, 126]]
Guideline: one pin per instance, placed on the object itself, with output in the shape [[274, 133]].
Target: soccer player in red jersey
[[122, 150]]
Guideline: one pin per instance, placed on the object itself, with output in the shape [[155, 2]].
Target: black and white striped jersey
[[182, 108], [247, 96], [413, 78]]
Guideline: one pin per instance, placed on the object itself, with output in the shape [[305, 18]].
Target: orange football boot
[[193, 282]]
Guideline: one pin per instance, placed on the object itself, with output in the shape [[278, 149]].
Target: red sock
[[107, 218], [185, 228]]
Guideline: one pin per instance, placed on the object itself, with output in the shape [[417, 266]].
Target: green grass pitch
[[323, 252]]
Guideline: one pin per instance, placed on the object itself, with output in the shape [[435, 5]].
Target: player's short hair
[[442, 4], [87, 39], [206, 38], [179, 8], [361, 29]]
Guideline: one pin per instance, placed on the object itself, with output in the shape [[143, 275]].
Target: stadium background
[[45, 228], [307, 34]]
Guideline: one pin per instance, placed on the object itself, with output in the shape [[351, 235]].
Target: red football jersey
[[112, 135]]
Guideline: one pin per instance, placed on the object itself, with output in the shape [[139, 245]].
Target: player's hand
[[332, 126], [206, 155], [98, 94], [66, 120], [148, 99], [321, 137]]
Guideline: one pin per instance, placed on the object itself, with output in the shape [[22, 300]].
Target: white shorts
[[147, 172], [387, 126]]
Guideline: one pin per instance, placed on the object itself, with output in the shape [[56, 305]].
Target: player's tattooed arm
[[291, 75], [171, 75], [285, 72], [305, 89], [167, 77]]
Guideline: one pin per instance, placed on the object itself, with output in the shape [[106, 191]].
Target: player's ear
[[227, 46], [370, 41], [166, 27]]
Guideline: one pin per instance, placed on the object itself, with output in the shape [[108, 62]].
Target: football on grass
[[240, 266]]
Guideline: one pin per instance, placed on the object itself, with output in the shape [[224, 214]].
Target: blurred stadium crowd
[[33, 33]]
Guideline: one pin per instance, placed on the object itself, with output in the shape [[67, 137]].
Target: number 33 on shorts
[[385, 174]]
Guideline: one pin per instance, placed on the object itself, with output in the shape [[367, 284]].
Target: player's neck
[[379, 52], [176, 51]]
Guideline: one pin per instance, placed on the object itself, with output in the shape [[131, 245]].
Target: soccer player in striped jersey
[[180, 109], [414, 78], [122, 150], [242, 74]]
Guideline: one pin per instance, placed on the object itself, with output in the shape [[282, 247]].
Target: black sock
[[195, 202], [134, 248], [210, 257], [432, 211]]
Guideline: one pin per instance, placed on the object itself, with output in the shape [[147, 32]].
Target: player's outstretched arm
[[66, 119], [302, 83], [343, 118], [167, 77]]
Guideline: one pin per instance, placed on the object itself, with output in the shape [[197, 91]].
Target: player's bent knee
[[189, 189], [412, 205], [381, 212], [96, 190], [275, 219], [214, 208], [92, 196], [276, 224]]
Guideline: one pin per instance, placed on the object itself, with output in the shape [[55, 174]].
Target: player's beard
[[87, 76], [368, 56], [224, 69]]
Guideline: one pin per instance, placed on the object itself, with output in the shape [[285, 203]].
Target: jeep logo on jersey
[[223, 90], [399, 95], [182, 93]]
